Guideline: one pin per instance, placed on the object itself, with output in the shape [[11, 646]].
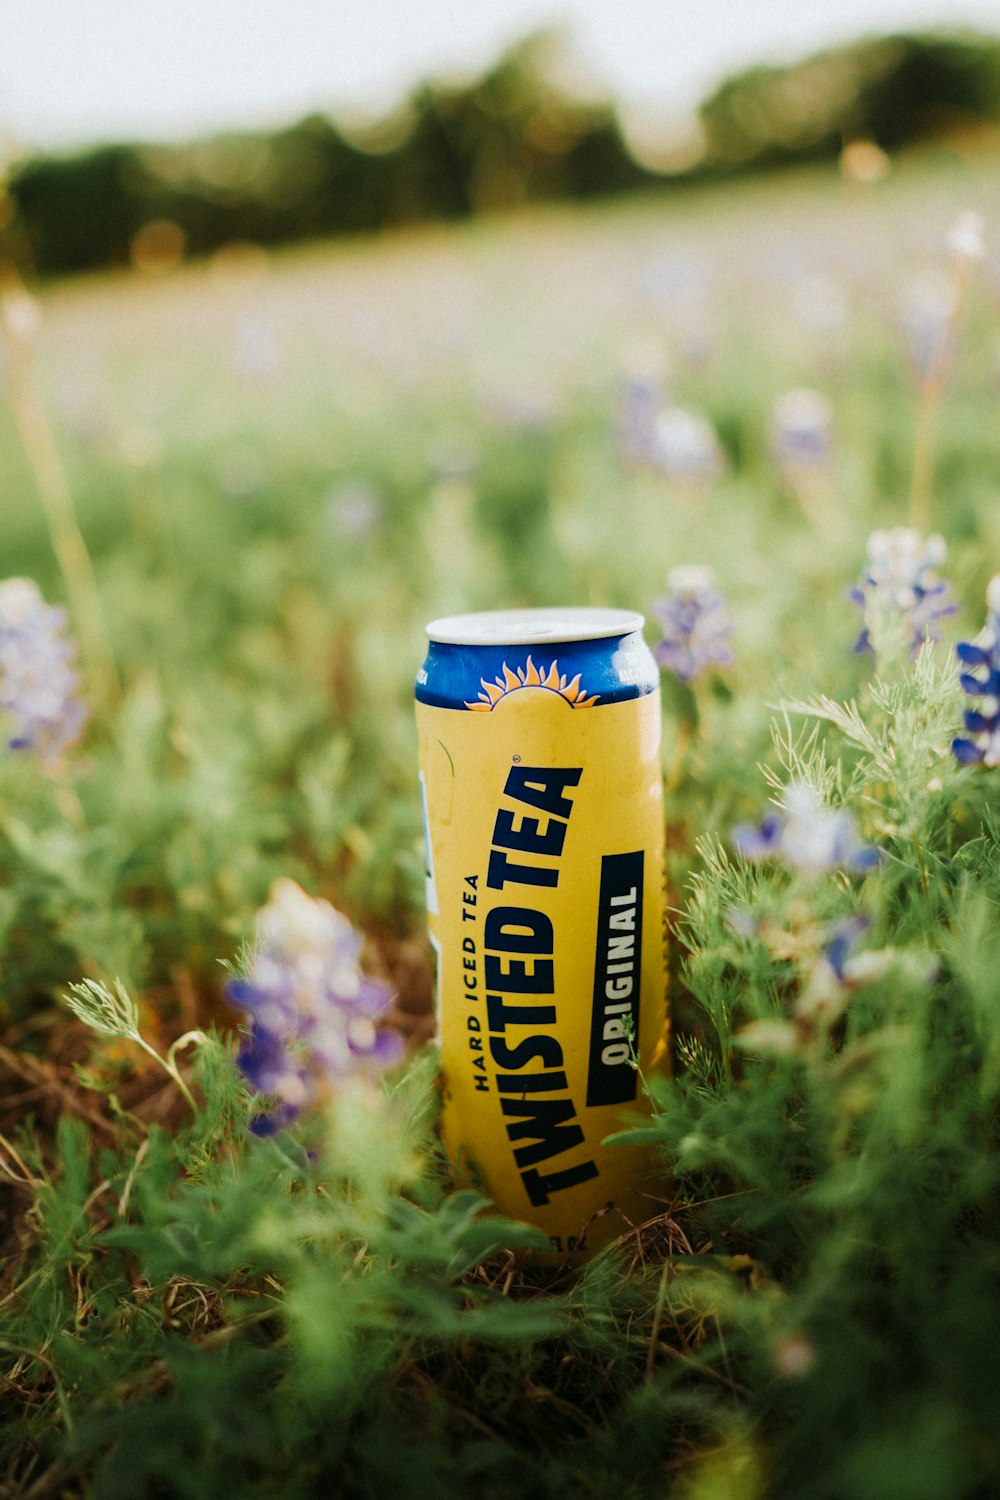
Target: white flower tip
[[904, 552], [20, 598], [993, 594], [296, 923], [361, 1033], [685, 441], [965, 239], [801, 800], [293, 1090], [870, 966], [770, 1036]]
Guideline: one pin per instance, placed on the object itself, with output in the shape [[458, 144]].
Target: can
[[539, 734]]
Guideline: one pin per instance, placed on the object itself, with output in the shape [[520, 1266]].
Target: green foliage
[[314, 457], [855, 1161], [257, 1291]]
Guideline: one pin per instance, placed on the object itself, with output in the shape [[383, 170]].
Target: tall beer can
[[539, 737]]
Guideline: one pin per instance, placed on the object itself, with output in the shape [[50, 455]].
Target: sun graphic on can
[[530, 676]]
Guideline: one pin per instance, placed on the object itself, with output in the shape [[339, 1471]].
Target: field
[[282, 467]]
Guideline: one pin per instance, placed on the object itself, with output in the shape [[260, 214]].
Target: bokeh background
[[141, 137], [319, 321], [320, 325]]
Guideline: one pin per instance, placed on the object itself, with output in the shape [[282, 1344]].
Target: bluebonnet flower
[[312, 1012], [900, 593], [685, 447], [841, 940], [695, 624], [928, 313], [810, 837], [829, 974], [37, 681], [800, 430], [934, 299], [641, 405], [835, 971], [982, 681]]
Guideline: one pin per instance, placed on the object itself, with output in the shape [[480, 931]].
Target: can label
[[545, 847]]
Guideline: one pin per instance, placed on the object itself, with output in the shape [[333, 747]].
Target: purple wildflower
[[810, 837], [900, 593], [312, 1012], [641, 404], [685, 447], [982, 681], [800, 431], [695, 622], [841, 940], [933, 300], [37, 681], [927, 315]]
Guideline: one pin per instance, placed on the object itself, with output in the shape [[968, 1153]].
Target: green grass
[[186, 1312]]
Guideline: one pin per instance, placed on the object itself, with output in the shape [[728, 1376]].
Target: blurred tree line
[[517, 134], [895, 92]]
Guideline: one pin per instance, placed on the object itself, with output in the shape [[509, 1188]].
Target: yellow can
[[540, 771]]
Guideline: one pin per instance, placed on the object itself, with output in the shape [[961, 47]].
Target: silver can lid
[[532, 627]]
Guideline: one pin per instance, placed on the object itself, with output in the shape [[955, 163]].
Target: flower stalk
[[19, 318], [966, 243]]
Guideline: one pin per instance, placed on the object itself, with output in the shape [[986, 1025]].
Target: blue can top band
[[588, 656]]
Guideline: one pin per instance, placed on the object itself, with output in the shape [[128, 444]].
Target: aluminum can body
[[539, 736]]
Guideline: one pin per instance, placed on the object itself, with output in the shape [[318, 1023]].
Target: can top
[[529, 627]]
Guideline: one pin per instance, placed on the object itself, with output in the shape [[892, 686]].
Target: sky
[[74, 72]]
